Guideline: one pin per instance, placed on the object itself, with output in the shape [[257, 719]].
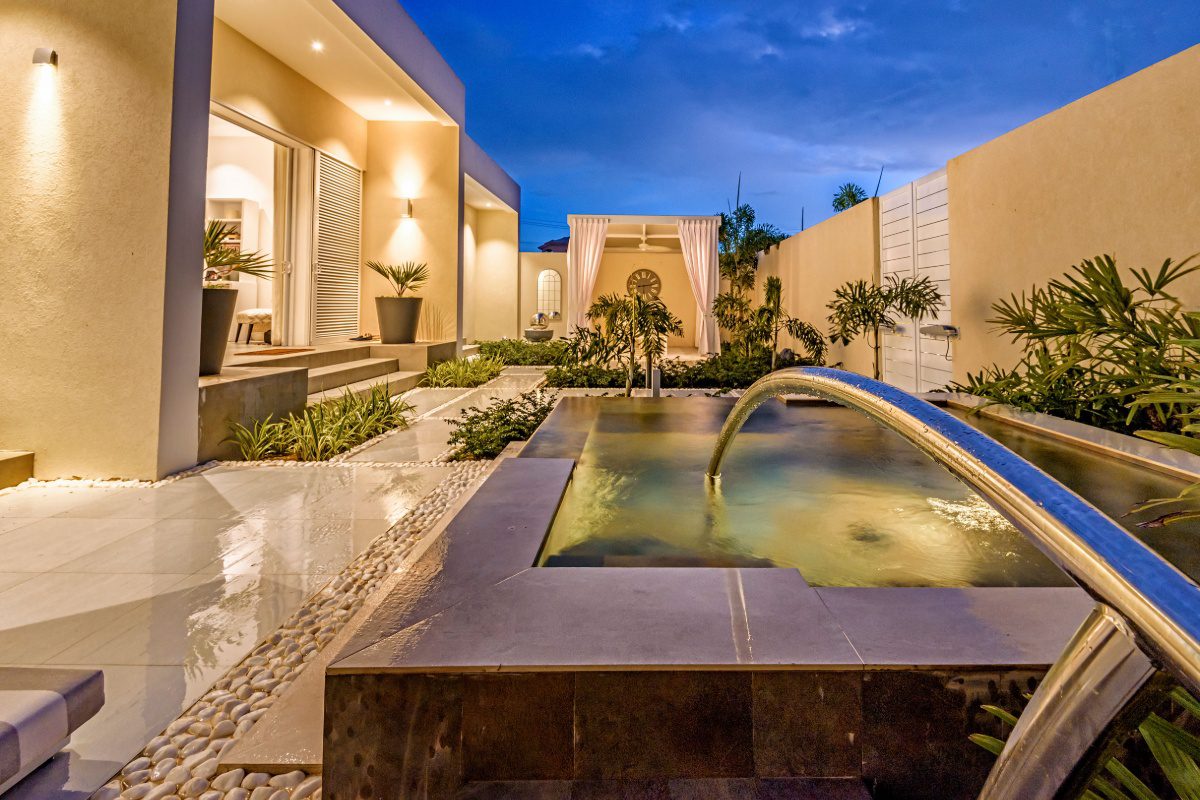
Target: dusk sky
[[655, 106]]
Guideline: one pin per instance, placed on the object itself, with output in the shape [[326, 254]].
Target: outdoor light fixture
[[387, 102], [405, 208], [318, 46], [45, 57]]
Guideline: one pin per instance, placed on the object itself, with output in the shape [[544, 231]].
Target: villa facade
[[326, 133]]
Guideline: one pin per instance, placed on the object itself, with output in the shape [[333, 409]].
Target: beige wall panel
[[83, 195], [1115, 172], [418, 161], [813, 263], [496, 273], [251, 80]]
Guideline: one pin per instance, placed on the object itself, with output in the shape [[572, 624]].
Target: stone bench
[[39, 710]]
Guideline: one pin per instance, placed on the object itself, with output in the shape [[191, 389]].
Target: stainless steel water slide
[[1147, 615]]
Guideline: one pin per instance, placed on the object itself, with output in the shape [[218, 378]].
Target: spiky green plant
[[323, 430], [861, 308], [221, 259], [407, 277], [463, 372]]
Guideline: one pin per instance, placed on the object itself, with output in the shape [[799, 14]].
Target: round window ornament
[[644, 282]]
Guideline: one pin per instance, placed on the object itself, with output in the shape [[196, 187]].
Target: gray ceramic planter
[[216, 318], [398, 318]]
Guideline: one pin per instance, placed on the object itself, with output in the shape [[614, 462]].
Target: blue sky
[[655, 106]]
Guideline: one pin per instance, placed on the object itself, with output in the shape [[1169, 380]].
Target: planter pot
[[398, 318], [215, 320]]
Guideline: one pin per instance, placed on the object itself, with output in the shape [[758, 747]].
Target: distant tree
[[848, 195], [771, 319]]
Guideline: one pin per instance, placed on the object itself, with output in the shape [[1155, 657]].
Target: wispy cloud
[[656, 105]]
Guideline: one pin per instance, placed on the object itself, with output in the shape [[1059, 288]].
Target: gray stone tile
[[518, 727], [640, 725], [478, 398], [807, 724], [958, 627], [496, 535]]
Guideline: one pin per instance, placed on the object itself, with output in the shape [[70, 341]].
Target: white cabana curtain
[[584, 252], [698, 238]]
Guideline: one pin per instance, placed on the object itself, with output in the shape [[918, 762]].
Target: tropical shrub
[[463, 372], [522, 353], [729, 370], [634, 324], [221, 260], [1096, 350], [406, 277], [587, 376], [323, 430], [862, 308], [484, 433], [771, 318]]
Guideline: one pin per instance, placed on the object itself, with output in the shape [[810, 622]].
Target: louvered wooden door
[[338, 250]]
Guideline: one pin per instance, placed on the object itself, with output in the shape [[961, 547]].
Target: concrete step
[[16, 466], [397, 382], [315, 358], [683, 789], [344, 374]]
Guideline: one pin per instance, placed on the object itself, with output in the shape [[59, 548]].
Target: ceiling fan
[[646, 247]]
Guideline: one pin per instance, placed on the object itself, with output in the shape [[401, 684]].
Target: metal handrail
[[1159, 603]]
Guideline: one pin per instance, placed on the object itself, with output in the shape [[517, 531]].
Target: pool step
[[703, 789]]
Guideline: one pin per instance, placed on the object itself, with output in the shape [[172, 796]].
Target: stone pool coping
[[474, 603]]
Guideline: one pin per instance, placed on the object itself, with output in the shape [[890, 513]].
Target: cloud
[[830, 26]]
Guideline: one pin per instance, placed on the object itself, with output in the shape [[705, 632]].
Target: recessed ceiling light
[[387, 102], [318, 46]]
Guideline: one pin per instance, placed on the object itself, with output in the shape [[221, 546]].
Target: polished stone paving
[[165, 587]]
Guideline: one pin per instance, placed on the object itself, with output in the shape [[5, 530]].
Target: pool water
[[815, 487]]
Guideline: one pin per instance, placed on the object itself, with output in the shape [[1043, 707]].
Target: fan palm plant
[[222, 259], [406, 277]]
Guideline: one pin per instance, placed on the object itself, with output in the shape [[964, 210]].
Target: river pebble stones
[[182, 762]]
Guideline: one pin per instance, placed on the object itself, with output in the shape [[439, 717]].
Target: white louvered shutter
[[338, 250]]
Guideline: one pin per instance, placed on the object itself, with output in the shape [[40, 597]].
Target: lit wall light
[[387, 102], [45, 57], [405, 208], [318, 46]]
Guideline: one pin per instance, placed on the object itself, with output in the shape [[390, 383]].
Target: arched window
[[549, 294]]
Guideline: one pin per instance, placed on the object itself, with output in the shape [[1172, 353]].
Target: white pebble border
[[182, 762]]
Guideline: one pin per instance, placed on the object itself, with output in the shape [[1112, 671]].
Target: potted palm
[[223, 258], [399, 315]]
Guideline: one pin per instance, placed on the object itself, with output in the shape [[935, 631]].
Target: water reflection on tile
[[206, 620], [425, 440]]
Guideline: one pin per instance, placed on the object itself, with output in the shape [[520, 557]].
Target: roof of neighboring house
[[555, 245]]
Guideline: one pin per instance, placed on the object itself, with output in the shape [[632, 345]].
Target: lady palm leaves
[[1173, 748], [1117, 354], [406, 277], [221, 259], [860, 308]]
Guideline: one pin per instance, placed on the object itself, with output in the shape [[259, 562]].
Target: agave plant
[[222, 258], [406, 277], [861, 308]]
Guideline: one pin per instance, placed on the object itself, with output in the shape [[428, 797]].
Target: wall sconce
[[45, 57], [405, 208]]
